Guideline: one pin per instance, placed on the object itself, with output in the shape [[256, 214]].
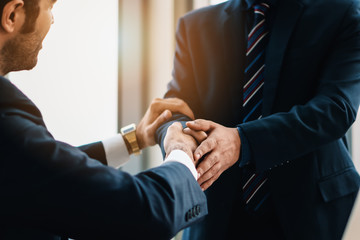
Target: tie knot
[[261, 8]]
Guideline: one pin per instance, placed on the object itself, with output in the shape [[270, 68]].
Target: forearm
[[161, 131], [72, 195], [95, 151], [284, 137], [111, 151]]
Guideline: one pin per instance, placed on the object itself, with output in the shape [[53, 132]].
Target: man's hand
[[159, 112], [176, 139], [199, 136], [221, 150]]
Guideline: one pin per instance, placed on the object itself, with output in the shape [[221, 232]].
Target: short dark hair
[[32, 10]]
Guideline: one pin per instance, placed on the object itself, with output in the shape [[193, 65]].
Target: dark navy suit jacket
[[50, 188], [311, 98]]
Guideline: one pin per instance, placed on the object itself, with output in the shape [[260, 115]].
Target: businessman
[[278, 84], [51, 190]]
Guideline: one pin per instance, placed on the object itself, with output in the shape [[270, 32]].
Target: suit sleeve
[[49, 185], [182, 85], [111, 152], [323, 119], [96, 151]]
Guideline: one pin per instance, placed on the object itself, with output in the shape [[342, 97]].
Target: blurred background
[[102, 64]]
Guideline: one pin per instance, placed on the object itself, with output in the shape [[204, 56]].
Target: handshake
[[212, 147]]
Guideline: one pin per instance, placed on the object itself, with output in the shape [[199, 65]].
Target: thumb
[[200, 125], [199, 136], [162, 118]]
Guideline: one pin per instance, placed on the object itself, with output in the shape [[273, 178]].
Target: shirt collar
[[246, 4]]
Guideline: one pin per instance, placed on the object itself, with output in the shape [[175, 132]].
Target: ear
[[13, 13]]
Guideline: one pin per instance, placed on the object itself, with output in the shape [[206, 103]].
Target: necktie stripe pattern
[[255, 42], [255, 184], [255, 70]]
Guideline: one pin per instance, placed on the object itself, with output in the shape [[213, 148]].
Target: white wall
[[75, 81], [160, 58], [203, 3], [131, 70], [217, 1]]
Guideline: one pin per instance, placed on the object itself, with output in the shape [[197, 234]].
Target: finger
[[210, 182], [201, 125], [157, 106], [206, 164], [174, 105], [162, 118], [199, 136], [205, 147], [209, 174], [181, 106]]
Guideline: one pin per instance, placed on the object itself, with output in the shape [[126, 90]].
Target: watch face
[[128, 130]]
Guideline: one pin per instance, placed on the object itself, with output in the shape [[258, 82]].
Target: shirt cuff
[[115, 151], [181, 157]]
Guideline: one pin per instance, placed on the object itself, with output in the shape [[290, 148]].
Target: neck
[[2, 60], [3, 72]]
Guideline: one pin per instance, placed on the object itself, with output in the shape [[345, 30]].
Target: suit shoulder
[[14, 102], [330, 3], [9, 92], [336, 12]]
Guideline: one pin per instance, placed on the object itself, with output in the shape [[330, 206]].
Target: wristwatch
[[129, 135]]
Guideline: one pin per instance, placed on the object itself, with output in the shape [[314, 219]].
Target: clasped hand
[[213, 147], [159, 111]]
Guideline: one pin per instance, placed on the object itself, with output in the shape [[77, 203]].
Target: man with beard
[[51, 190]]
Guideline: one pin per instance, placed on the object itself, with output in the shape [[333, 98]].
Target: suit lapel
[[287, 15]]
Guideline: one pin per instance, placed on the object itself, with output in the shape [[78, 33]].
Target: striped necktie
[[254, 185]]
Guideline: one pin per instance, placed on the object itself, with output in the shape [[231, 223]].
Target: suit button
[[197, 210], [187, 216], [193, 213]]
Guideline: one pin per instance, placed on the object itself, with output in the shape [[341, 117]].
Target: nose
[[52, 18]]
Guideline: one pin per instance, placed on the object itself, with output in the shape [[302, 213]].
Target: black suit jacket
[[50, 188], [311, 97]]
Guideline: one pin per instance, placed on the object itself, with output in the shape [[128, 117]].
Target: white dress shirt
[[117, 155]]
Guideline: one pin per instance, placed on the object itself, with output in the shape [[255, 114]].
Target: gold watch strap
[[129, 135]]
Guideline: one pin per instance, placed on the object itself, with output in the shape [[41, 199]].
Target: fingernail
[[198, 174], [198, 156], [167, 114]]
